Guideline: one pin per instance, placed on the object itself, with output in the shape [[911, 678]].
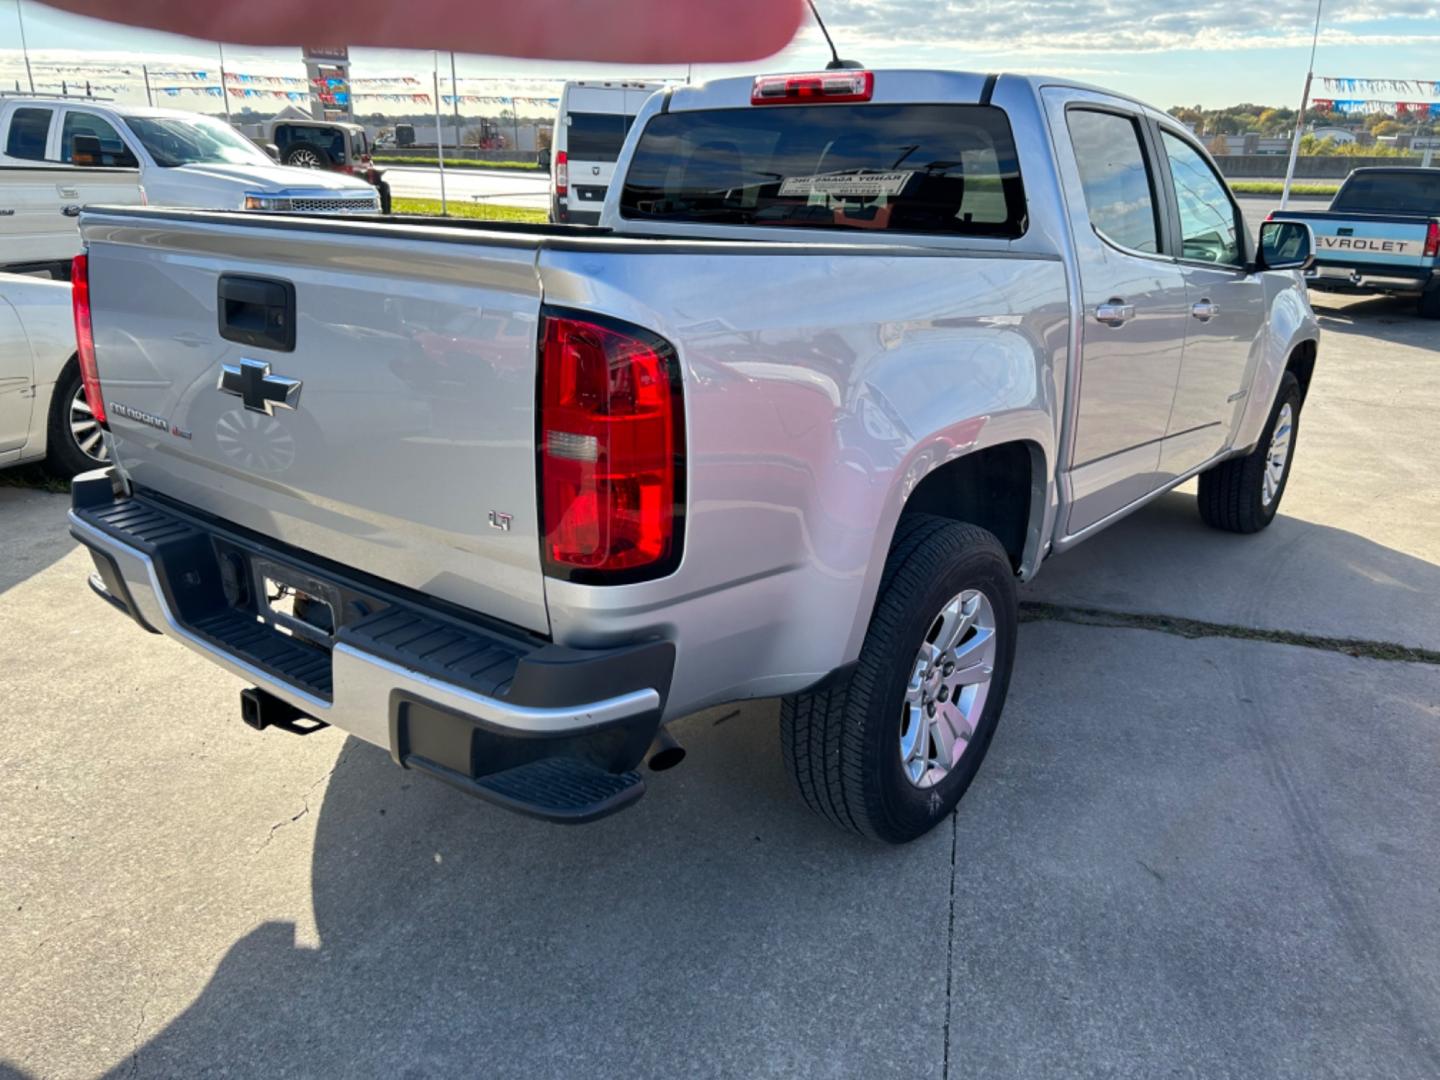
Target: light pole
[[224, 88], [439, 139], [24, 49], [455, 98], [1304, 104]]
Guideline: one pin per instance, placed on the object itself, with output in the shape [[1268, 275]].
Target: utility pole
[[224, 86], [24, 49], [1304, 104], [439, 141], [149, 97], [455, 97]]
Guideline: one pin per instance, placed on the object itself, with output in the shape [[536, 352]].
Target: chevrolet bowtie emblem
[[252, 383]]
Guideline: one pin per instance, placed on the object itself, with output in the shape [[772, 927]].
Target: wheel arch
[[1015, 461], [1001, 488]]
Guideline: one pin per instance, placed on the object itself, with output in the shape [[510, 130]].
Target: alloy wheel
[[85, 429], [1278, 454], [949, 685]]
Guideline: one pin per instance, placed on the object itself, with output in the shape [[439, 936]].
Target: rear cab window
[[1119, 190], [596, 136], [29, 132], [1389, 193], [941, 169]]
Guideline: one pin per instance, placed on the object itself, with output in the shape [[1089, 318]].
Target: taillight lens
[[823, 86], [85, 336], [1432, 241], [612, 451], [562, 173]]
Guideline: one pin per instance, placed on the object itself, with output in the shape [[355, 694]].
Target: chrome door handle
[[73, 210], [1205, 310], [1115, 312]]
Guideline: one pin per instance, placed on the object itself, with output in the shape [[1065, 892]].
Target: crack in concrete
[[1035, 611], [135, 1047], [304, 809]]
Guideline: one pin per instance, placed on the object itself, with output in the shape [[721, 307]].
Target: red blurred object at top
[[635, 32]]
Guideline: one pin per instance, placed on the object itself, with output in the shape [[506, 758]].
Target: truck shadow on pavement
[[34, 533], [458, 939], [1296, 576]]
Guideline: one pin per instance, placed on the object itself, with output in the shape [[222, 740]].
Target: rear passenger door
[[1226, 306], [1134, 304], [27, 137]]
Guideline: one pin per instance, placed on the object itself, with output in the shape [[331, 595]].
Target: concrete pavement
[[1183, 857]]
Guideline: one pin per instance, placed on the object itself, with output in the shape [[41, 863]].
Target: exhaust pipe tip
[[664, 753]]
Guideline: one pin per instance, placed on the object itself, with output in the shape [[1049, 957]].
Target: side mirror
[[1285, 245], [273, 150], [85, 151]]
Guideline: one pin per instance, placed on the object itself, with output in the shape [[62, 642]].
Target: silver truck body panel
[[416, 414], [816, 400]]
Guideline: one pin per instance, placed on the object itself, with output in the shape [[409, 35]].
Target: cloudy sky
[[1170, 52]]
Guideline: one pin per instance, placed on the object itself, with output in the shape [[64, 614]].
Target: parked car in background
[[183, 159], [44, 413], [590, 128], [1381, 235], [850, 356], [329, 145]]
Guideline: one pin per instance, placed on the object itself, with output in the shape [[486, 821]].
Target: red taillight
[[611, 451], [85, 335], [1432, 241], [824, 86], [562, 173]]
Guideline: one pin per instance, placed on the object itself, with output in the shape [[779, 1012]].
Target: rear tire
[[845, 743], [74, 443], [1242, 495], [1429, 305]]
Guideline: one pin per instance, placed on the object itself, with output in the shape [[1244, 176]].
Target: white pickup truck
[[177, 158], [850, 355], [40, 212]]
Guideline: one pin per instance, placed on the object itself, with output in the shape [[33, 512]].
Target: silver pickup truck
[[848, 357]]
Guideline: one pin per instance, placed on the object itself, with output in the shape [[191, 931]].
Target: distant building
[[1340, 135]]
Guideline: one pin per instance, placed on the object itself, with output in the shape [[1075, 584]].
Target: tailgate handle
[[257, 311]]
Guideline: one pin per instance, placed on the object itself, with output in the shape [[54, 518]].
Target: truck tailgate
[[396, 437], [1371, 241]]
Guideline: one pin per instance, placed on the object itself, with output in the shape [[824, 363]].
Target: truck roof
[[922, 84], [119, 108]]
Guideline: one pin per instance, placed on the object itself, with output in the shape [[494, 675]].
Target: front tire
[[75, 443], [888, 751], [1241, 495]]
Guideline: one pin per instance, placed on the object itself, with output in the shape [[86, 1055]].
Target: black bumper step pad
[[567, 791], [441, 650], [287, 658]]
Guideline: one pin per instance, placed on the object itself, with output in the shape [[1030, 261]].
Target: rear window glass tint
[[29, 130], [596, 136], [1390, 193], [948, 169]]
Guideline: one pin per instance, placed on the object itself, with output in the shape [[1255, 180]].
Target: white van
[[590, 128]]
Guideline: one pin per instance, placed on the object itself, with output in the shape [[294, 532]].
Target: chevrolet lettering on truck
[[848, 356]]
